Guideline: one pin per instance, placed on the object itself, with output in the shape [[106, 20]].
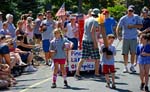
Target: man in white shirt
[[1, 24]]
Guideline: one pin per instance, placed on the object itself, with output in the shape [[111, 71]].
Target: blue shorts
[[38, 36], [4, 49], [24, 57], [75, 43], [143, 60], [46, 45]]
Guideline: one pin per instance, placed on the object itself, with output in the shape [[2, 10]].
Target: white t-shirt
[[71, 30], [30, 33], [1, 25]]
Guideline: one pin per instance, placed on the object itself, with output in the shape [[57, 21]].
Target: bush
[[117, 11]]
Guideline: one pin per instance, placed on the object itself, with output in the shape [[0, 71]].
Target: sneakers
[[78, 77], [53, 85], [132, 69], [22, 64], [146, 89], [65, 83], [52, 66], [125, 70], [96, 76], [30, 68], [113, 86], [48, 64], [142, 86], [108, 85]]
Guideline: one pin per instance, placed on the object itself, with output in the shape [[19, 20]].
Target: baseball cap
[[95, 11], [131, 8], [48, 11], [30, 12], [9, 16], [105, 12], [39, 14], [72, 17], [68, 13], [1, 13], [111, 36], [2, 37], [29, 18], [145, 10], [89, 11]]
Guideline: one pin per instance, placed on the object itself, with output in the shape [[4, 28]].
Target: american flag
[[61, 11]]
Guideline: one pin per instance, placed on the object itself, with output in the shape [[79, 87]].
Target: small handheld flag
[[61, 11]]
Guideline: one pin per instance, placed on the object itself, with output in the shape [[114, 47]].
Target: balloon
[[101, 18]]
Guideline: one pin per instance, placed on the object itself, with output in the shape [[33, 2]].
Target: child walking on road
[[143, 59], [57, 49], [108, 60]]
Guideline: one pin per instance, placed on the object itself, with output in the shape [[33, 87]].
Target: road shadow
[[122, 62], [26, 73], [22, 87], [92, 77], [122, 90], [4, 89], [137, 74], [73, 88], [120, 75], [119, 83]]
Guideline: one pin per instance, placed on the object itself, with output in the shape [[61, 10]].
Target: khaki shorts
[[129, 45]]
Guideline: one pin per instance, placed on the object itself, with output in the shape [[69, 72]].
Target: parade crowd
[[57, 36]]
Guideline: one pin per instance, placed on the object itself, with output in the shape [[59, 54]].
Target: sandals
[[108, 85], [113, 86]]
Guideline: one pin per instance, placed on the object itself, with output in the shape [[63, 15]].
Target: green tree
[[18, 7], [117, 11]]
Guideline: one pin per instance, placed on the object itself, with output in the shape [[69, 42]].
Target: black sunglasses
[[130, 10]]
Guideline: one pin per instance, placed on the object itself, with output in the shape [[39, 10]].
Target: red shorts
[[108, 69], [60, 61]]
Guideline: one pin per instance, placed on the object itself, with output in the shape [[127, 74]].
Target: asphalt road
[[40, 81]]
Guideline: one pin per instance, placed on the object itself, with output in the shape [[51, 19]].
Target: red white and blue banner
[[74, 57]]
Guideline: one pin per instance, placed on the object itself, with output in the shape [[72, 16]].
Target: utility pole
[[127, 3], [80, 6]]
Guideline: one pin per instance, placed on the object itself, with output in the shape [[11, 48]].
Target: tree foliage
[[18, 7], [117, 11]]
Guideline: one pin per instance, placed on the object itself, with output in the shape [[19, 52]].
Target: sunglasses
[[130, 10]]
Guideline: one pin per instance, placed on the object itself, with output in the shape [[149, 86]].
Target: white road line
[[36, 84]]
